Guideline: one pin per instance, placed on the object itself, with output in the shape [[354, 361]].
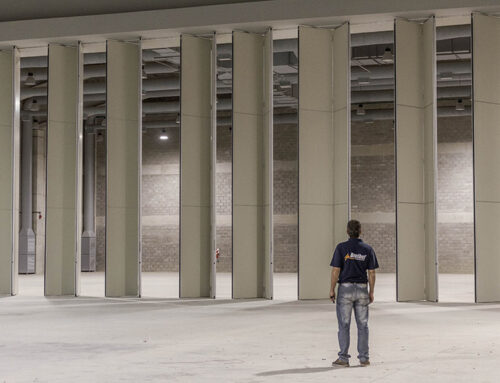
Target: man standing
[[350, 262]]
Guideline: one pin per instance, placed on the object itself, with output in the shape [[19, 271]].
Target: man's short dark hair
[[353, 228]]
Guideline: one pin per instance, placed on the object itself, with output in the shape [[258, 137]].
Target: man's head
[[353, 228]]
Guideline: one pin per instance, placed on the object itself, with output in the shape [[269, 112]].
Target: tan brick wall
[[372, 177]]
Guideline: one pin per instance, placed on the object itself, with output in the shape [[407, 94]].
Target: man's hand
[[371, 281], [335, 278], [332, 295]]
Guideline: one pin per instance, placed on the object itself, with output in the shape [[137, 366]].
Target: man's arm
[[371, 280], [335, 278]]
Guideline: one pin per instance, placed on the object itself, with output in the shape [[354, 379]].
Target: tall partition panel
[[252, 165], [9, 170], [324, 141], [197, 231], [64, 155], [416, 160], [124, 141], [486, 98]]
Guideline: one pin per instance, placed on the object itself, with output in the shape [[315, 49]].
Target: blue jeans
[[353, 295]]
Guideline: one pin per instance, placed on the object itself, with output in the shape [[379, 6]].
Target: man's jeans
[[353, 295]]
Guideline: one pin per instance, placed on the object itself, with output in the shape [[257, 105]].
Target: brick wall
[[372, 189]]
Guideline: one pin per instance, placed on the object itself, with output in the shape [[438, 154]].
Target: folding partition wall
[[252, 165], [9, 170], [324, 156], [124, 151], [416, 160], [486, 98], [64, 170], [197, 207]]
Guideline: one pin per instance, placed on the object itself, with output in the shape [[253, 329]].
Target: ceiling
[[372, 80], [13, 10]]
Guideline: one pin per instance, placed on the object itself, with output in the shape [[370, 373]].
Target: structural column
[[27, 238], [124, 141], [64, 170], [89, 236], [9, 170], [416, 160], [486, 114], [324, 153], [252, 165], [197, 229]]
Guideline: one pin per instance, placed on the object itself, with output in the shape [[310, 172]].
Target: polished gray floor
[[94, 339]]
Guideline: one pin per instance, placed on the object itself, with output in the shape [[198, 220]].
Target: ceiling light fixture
[[388, 57], [30, 80], [460, 105], [163, 135], [34, 107], [360, 111], [364, 81], [285, 84], [447, 76], [224, 57]]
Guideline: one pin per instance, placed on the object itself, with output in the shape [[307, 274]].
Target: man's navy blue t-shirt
[[354, 257]]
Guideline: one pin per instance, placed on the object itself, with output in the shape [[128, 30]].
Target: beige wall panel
[[250, 67], [486, 34], [316, 157], [316, 222], [411, 252], [123, 169], [196, 169], [252, 164], [429, 58], [410, 137], [342, 130], [197, 76], [487, 259], [123, 158], [486, 83], [122, 272], [324, 141], [60, 262], [248, 177], [430, 158], [341, 160], [487, 151], [267, 237], [7, 91], [341, 214], [267, 159], [315, 50], [248, 260], [63, 145], [430, 155], [431, 281], [409, 71], [196, 178], [6, 171], [341, 68], [9, 170], [416, 157], [195, 263]]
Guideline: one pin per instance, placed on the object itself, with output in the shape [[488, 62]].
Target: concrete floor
[[168, 340]]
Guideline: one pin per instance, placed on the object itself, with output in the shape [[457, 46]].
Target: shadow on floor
[[305, 370]]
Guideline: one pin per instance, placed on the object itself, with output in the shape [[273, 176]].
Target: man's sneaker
[[340, 363], [364, 363]]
